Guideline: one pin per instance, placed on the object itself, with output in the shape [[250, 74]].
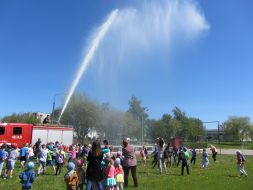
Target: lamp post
[[218, 122], [142, 125], [57, 94]]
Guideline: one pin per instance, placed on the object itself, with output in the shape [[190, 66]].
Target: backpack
[[26, 179], [2, 155]]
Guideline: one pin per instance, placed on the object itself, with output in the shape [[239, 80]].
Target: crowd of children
[[95, 166], [181, 156]]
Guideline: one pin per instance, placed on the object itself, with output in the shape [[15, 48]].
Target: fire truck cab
[[21, 133]]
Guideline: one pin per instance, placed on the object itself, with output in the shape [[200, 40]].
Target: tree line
[[87, 115]]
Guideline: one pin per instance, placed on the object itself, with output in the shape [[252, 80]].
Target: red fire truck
[[21, 133]]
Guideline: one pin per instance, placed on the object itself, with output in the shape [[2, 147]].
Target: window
[[17, 130], [2, 130]]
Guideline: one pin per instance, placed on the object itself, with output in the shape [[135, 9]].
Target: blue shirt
[[23, 151]]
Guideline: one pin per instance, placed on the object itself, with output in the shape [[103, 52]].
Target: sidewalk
[[229, 151]]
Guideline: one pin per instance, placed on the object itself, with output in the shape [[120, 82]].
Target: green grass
[[232, 145], [219, 176]]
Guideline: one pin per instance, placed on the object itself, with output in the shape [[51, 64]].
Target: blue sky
[[209, 75]]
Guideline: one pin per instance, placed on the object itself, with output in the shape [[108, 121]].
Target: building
[[212, 134]]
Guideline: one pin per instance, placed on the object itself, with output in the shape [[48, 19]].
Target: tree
[[83, 114], [21, 118], [190, 129], [237, 128], [137, 115]]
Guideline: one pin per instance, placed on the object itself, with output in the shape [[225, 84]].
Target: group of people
[[165, 156], [95, 164]]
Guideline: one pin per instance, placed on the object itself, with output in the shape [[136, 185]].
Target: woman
[[94, 171], [129, 162], [161, 160], [214, 152]]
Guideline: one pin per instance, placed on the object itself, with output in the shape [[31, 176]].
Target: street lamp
[[57, 94], [143, 123]]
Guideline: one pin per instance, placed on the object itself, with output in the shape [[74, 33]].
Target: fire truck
[[21, 133]]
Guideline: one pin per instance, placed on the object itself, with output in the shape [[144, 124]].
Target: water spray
[[91, 50]]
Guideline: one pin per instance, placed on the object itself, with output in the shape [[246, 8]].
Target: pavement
[[229, 151]]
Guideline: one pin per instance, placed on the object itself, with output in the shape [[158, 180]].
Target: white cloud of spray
[[150, 27]]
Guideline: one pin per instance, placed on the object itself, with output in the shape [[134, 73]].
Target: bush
[[196, 145]]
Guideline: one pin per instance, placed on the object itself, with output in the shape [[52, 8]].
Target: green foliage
[[137, 117], [20, 118], [237, 129], [190, 129], [196, 145], [83, 114]]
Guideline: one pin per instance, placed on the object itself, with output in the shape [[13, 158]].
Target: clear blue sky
[[42, 44]]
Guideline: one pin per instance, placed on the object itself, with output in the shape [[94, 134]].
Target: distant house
[[40, 115], [177, 141]]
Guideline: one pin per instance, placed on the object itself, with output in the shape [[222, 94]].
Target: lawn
[[219, 176], [233, 145]]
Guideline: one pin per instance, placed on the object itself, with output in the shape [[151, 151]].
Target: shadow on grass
[[233, 176]]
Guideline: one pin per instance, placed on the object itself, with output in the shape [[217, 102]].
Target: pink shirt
[[111, 172], [73, 154]]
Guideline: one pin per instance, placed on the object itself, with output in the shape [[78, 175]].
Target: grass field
[[219, 176], [232, 145]]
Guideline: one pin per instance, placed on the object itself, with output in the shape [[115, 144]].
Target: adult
[[37, 147], [161, 160], [94, 173], [167, 155], [12, 157], [129, 162], [214, 152], [46, 120], [185, 157]]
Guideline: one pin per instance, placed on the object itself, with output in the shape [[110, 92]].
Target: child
[[50, 160], [155, 156], [13, 155], [205, 160], [3, 157], [180, 153], [27, 177], [42, 156], [194, 156], [73, 155], [240, 163], [60, 156], [30, 153], [119, 177], [110, 173], [143, 156], [23, 155], [71, 178], [81, 174]]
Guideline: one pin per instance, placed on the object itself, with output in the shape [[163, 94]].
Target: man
[[185, 157], [37, 147], [46, 120]]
